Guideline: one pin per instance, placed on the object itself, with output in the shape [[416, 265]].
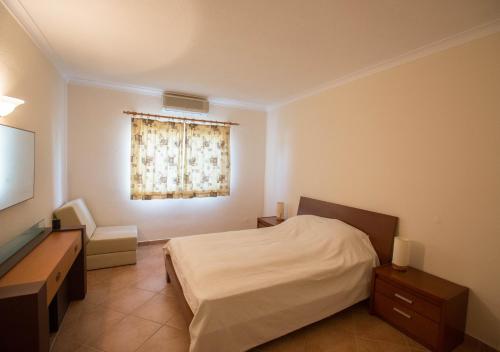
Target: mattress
[[248, 287]]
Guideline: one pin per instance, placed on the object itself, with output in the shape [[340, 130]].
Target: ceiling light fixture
[[8, 104]]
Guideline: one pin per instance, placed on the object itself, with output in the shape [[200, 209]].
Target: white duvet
[[248, 287]]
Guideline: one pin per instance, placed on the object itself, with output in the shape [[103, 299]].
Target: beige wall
[[99, 168], [420, 141], [26, 74]]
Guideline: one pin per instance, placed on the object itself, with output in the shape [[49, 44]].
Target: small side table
[[268, 221], [429, 309]]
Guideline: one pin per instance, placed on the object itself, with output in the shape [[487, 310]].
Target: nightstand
[[267, 221], [427, 308]]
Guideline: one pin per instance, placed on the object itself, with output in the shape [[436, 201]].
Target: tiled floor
[[131, 308]]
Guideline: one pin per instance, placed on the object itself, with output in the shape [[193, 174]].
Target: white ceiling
[[256, 51]]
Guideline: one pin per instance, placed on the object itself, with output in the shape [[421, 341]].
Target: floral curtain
[[173, 160], [207, 161], [156, 159]]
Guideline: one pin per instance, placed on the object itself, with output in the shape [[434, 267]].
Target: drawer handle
[[76, 248], [406, 315], [58, 276], [403, 298]]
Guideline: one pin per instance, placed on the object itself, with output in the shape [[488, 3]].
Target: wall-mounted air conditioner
[[183, 102]]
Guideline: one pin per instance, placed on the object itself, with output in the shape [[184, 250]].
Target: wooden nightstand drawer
[[414, 324], [430, 309], [408, 300]]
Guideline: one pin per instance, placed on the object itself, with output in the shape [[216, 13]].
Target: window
[[179, 160]]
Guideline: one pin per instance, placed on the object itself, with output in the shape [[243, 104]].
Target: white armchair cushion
[[76, 213], [110, 239]]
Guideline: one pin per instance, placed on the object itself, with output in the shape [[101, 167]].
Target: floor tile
[[415, 346], [64, 343], [155, 283], [177, 320], [100, 275], [366, 345], [340, 322], [333, 341], [76, 309], [127, 300], [89, 325], [101, 292], [294, 342], [160, 309], [167, 339], [372, 328], [168, 291], [126, 336]]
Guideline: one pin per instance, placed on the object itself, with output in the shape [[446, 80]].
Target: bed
[[240, 289]]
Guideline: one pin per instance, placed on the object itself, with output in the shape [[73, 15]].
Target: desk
[[35, 293]]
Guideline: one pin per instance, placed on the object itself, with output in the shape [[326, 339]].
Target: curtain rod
[[133, 113]]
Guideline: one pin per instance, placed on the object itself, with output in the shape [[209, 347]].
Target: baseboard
[[474, 344], [151, 242]]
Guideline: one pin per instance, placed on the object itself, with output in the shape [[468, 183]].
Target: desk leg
[[27, 328], [74, 287], [59, 306], [77, 275]]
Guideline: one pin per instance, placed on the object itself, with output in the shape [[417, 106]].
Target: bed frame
[[380, 228]]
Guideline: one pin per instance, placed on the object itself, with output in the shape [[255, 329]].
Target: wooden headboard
[[380, 228]]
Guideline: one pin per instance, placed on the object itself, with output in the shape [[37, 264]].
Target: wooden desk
[[35, 293]]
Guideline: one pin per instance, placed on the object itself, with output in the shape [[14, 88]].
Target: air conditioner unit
[[183, 102]]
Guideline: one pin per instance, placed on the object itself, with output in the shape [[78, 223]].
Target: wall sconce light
[[8, 104]]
